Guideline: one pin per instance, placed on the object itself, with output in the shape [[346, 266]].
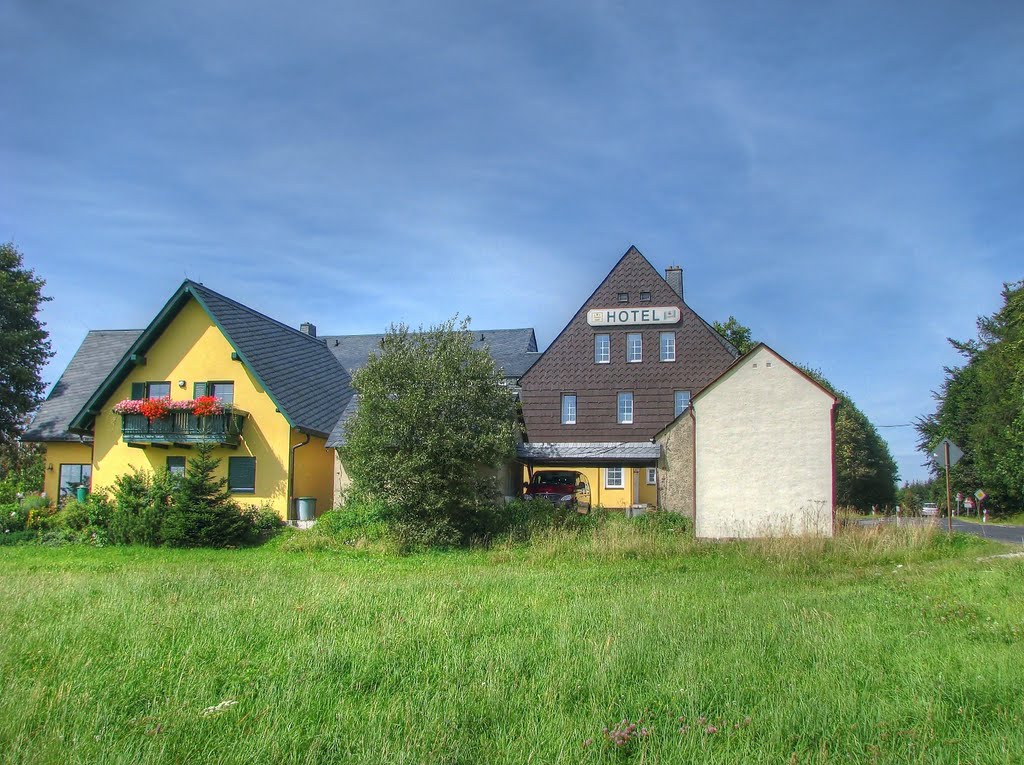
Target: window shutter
[[138, 391], [242, 474], [199, 389]]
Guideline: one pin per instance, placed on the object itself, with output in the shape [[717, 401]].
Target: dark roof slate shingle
[[621, 451], [513, 350], [93, 361], [305, 379]]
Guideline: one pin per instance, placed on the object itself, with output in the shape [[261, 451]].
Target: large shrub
[[433, 414]]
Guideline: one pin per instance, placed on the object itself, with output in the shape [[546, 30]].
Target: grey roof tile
[[513, 350], [95, 358], [306, 380], [621, 451]]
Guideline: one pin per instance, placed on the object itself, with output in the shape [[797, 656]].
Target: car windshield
[[554, 479]]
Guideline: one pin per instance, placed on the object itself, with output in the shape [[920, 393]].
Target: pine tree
[[202, 512]]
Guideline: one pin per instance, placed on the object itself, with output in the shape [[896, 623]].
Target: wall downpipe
[[292, 514]]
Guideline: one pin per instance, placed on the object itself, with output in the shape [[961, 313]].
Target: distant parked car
[[561, 487], [930, 508]]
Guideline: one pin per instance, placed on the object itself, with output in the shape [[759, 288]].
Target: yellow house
[[282, 398], [278, 392]]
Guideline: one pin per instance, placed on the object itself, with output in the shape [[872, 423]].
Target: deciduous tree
[[735, 333], [24, 343], [981, 407], [434, 415]]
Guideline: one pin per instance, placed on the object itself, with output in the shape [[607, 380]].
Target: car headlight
[[565, 498]]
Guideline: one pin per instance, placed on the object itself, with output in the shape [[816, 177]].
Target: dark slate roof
[[565, 453], [513, 350], [95, 357], [337, 437], [297, 371]]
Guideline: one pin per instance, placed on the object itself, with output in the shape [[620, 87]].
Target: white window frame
[[652, 476], [602, 350], [568, 408], [675, 401], [608, 481], [631, 338], [667, 350], [226, 393], [624, 414]]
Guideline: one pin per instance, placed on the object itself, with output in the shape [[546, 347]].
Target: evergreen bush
[[202, 512], [140, 501]]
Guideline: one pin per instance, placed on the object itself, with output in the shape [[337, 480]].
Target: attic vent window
[[623, 297], [645, 297], [767, 363]]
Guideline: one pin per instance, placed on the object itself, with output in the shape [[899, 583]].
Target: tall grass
[[878, 646]]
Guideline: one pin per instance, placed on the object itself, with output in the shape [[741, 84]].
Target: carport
[[605, 465]]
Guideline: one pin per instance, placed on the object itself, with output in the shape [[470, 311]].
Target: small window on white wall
[[614, 478], [652, 476]]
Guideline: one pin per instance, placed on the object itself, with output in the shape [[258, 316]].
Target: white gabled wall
[[763, 451]]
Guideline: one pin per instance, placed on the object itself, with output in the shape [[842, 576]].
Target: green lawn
[[883, 646]]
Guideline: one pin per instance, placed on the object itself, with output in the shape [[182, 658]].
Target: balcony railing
[[184, 428]]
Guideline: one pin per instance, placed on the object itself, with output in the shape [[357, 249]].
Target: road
[[1010, 534]]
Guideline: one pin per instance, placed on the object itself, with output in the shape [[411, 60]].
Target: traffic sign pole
[[949, 495]]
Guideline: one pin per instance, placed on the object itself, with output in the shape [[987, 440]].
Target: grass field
[[882, 646]]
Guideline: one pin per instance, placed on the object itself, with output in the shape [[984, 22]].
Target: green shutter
[[198, 389], [138, 391], [242, 474]]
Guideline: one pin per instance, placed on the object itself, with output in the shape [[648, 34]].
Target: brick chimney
[[674, 277], [308, 329]]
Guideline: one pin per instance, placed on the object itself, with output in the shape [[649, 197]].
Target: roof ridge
[[470, 330]]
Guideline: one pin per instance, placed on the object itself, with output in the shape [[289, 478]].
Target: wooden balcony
[[183, 429]]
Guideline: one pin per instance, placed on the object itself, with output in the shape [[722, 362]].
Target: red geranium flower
[[154, 408], [207, 405]]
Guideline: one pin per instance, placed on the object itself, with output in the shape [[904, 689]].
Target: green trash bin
[[306, 508], [81, 492]]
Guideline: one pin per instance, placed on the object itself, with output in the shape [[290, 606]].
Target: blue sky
[[846, 178]]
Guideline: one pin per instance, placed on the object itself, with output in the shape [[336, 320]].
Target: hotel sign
[[610, 317]]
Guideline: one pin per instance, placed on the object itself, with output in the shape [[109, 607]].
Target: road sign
[[959, 496], [939, 452], [980, 495]]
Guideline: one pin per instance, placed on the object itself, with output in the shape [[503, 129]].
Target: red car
[[560, 487]]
